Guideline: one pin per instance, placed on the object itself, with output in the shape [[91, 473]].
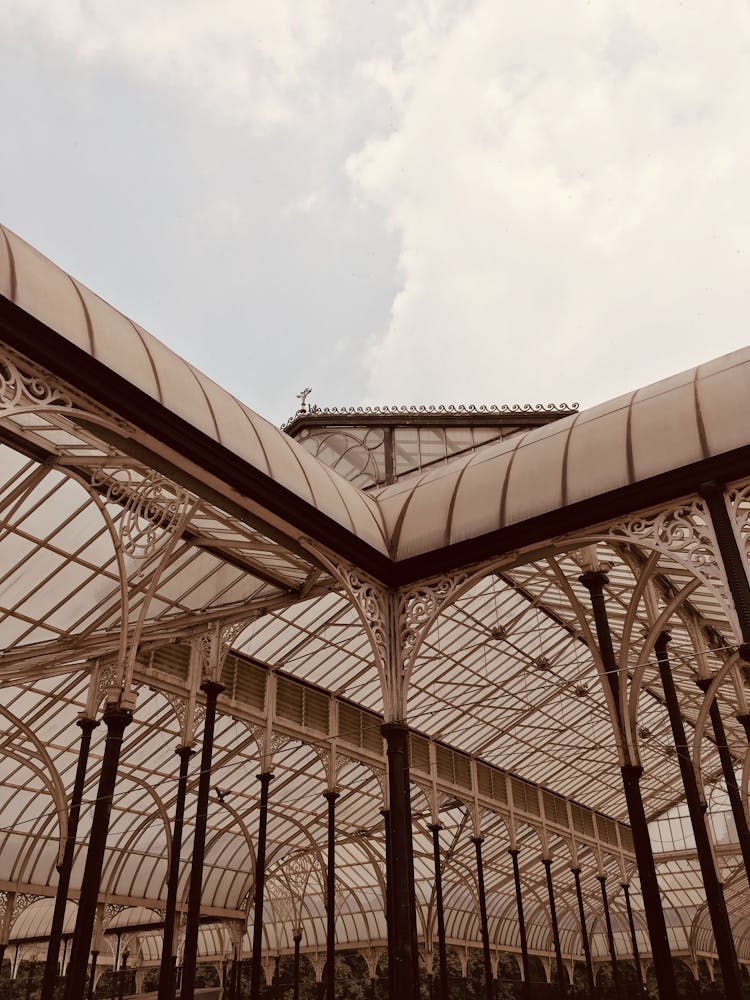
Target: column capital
[[662, 640], [86, 724], [477, 840], [435, 827], [744, 651], [547, 862], [211, 688], [331, 794], [116, 718], [631, 772], [264, 777], [704, 683], [594, 580]]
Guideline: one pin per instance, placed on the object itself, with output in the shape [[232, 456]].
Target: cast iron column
[[330, 970], [734, 566], [584, 934], [94, 956], [168, 957], [115, 719], [477, 842], [633, 938], [717, 907], [730, 778], [734, 563], [547, 862], [212, 690], [521, 924], [297, 939], [610, 937], [260, 879], [442, 953], [402, 957], [49, 980], [386, 814], [594, 582]]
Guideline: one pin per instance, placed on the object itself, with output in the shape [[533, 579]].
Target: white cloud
[[569, 185], [245, 59]]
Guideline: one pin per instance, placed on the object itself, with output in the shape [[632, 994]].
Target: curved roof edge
[[679, 423], [88, 327]]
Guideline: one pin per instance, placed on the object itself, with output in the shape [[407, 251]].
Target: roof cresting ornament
[[302, 397]]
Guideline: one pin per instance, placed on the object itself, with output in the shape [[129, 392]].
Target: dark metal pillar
[[49, 979], [29, 978], [734, 567], [260, 881], [584, 935], [634, 939], [731, 557], [297, 940], [547, 862], [477, 841], [212, 690], [92, 974], [610, 937], [115, 719], [521, 924], [123, 971], [116, 967], [233, 973], [716, 903], [730, 778], [168, 956], [330, 968], [442, 952], [386, 814], [402, 957], [594, 582]]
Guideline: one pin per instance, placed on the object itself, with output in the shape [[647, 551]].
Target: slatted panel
[[360, 728], [583, 820], [172, 661], [244, 682], [372, 738], [607, 829], [525, 797], [419, 753], [290, 701], [499, 786], [301, 705], [462, 769], [453, 767], [316, 710], [484, 779], [350, 724], [555, 809]]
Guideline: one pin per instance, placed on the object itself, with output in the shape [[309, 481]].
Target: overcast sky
[[393, 202]]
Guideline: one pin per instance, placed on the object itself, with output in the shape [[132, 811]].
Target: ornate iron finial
[[302, 397]]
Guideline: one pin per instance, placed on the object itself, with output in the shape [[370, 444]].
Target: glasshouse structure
[[459, 687]]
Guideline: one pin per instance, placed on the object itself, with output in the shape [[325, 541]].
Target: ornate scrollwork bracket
[[22, 390], [153, 507], [684, 533]]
